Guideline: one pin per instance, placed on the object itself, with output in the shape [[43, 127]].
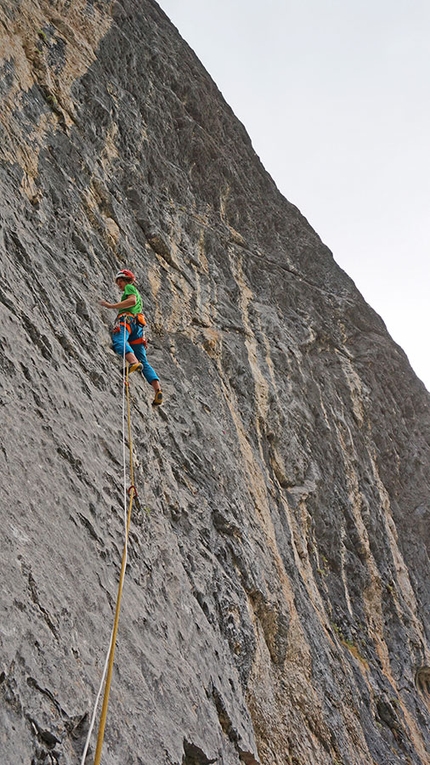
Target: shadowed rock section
[[276, 606]]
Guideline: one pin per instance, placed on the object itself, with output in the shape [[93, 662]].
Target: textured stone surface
[[276, 606]]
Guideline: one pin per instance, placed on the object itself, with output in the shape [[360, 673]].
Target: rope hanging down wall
[[130, 495]]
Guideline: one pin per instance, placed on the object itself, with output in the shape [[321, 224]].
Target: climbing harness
[[121, 321], [129, 321], [130, 495]]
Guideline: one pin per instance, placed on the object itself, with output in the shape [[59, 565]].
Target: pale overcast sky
[[335, 97]]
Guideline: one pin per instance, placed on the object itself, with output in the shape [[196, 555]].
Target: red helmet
[[125, 274]]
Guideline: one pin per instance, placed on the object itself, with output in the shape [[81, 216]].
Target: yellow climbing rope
[[131, 491], [108, 669]]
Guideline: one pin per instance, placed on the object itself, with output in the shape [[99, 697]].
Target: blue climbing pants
[[127, 329]]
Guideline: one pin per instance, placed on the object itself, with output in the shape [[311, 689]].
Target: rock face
[[276, 603]]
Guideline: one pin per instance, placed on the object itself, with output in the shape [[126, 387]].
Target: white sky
[[335, 97]]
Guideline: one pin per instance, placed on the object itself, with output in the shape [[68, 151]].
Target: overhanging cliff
[[276, 605]]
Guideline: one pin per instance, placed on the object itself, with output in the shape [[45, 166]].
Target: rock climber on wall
[[128, 331]]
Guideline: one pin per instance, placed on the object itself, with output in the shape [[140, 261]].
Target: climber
[[128, 330]]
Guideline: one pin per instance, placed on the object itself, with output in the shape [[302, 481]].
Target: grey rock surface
[[276, 604]]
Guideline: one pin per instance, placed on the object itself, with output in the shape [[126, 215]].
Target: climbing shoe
[[137, 367], [158, 398]]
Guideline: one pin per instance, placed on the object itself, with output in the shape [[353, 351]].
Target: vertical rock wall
[[276, 606]]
